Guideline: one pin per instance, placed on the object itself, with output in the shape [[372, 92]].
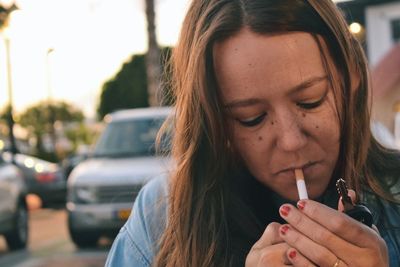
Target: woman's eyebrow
[[243, 103], [307, 83], [255, 101]]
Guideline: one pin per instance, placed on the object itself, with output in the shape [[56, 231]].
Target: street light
[[4, 19], [355, 27], [48, 74], [52, 119]]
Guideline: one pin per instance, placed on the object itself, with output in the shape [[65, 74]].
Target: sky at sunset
[[66, 49]]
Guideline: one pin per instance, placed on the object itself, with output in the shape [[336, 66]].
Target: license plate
[[124, 214]]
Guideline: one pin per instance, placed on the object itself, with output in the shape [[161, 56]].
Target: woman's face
[[280, 107]]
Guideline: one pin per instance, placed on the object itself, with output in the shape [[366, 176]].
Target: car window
[[129, 138]]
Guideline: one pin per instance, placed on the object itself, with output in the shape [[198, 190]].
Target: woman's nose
[[290, 133]]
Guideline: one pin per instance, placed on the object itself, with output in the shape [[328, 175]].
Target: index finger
[[337, 222]]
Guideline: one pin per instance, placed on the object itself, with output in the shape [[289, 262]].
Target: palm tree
[[153, 67]]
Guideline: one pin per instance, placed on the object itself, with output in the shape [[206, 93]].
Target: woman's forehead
[[249, 47], [250, 60]]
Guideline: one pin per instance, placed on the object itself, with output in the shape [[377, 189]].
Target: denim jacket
[[136, 243]]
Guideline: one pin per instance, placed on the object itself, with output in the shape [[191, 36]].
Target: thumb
[[270, 236], [352, 195]]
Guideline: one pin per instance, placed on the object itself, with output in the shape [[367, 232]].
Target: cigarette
[[301, 185]]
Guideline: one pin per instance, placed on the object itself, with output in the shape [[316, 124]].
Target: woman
[[264, 87]]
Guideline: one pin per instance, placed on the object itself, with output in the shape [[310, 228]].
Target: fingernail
[[284, 229], [301, 204], [284, 210], [292, 254]]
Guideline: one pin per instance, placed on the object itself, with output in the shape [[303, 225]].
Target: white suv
[[102, 189]]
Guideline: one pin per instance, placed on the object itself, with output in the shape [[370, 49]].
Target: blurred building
[[377, 25]]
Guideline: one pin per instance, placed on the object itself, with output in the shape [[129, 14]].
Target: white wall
[[379, 33]]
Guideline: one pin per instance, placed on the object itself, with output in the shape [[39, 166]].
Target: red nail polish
[[292, 254], [285, 210], [301, 204], [284, 229]]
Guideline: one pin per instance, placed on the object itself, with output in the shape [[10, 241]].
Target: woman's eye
[[253, 122], [311, 105]]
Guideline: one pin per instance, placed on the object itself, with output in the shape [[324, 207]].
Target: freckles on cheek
[[260, 138], [329, 131], [245, 143]]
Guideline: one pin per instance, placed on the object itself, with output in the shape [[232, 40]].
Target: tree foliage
[[128, 89], [81, 134], [4, 116], [39, 119]]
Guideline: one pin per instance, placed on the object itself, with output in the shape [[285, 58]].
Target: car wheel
[[17, 238], [83, 239]]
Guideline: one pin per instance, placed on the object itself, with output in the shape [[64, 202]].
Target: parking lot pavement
[[78, 259], [50, 245]]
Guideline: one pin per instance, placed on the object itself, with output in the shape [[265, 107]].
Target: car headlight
[[83, 195]]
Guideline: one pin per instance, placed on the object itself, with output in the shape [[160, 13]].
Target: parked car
[[71, 161], [13, 206], [43, 178], [102, 188]]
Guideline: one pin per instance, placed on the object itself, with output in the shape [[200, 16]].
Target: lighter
[[358, 212]]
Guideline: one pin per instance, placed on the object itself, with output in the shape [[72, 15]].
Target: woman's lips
[[306, 168], [309, 170]]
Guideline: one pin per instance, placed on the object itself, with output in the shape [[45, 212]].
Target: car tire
[[17, 238], [83, 239]]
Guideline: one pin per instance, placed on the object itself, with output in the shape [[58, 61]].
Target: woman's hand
[[321, 236], [269, 250]]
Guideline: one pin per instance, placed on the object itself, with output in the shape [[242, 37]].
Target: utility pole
[[10, 118], [4, 18]]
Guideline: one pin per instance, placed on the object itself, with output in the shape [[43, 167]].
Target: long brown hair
[[197, 232]]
